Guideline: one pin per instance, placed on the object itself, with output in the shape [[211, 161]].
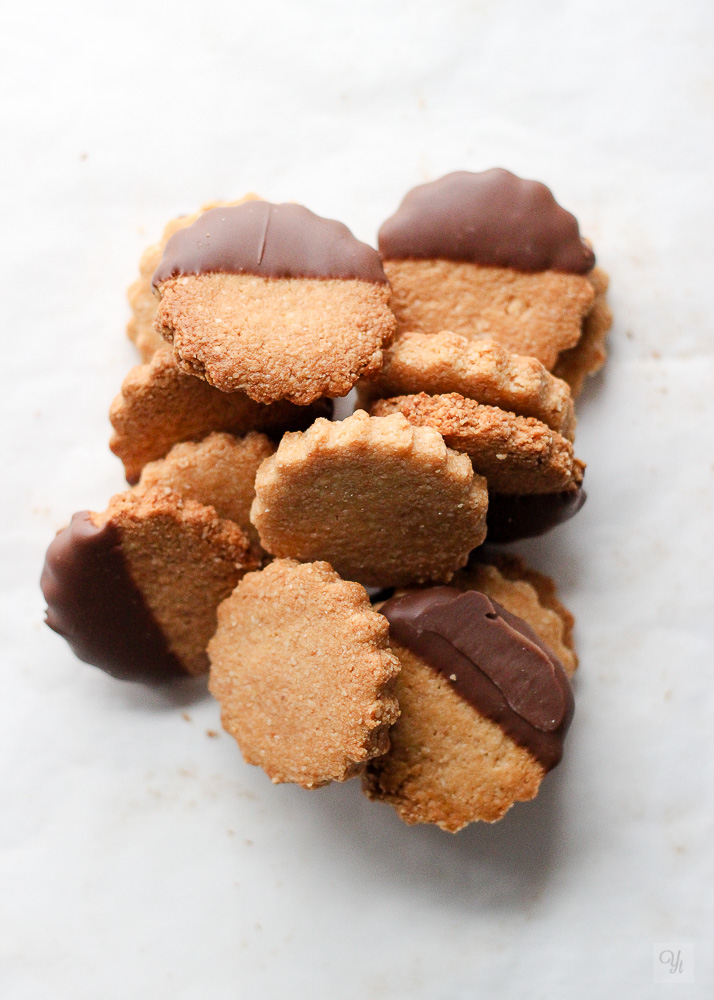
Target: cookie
[[134, 590], [589, 354], [141, 295], [218, 471], [303, 673], [485, 702], [534, 479], [273, 301], [160, 405], [490, 255], [481, 370], [383, 502]]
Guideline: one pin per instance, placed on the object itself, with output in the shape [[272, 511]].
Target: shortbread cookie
[[490, 255], [218, 471], [481, 370], [273, 301], [134, 590], [160, 405], [141, 295], [484, 701], [383, 502], [301, 667], [589, 354], [516, 454]]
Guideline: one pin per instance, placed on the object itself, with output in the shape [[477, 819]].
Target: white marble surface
[[139, 857]]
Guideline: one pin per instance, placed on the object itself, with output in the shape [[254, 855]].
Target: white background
[[139, 857]]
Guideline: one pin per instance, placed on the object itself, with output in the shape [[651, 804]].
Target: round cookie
[[273, 301], [515, 454], [160, 405], [141, 295], [383, 502], [490, 255], [303, 673], [484, 702], [481, 370], [218, 471], [134, 590]]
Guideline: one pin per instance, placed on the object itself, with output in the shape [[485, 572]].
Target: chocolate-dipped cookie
[[492, 255], [134, 590], [273, 301], [485, 702]]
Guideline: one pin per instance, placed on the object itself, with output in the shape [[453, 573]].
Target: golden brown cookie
[[160, 405], [484, 701], [134, 590], [517, 455], [589, 354], [481, 370], [490, 255], [383, 502], [303, 673], [273, 301], [141, 295], [218, 471]]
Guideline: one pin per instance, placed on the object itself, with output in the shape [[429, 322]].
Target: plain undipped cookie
[[134, 590], [218, 471], [471, 741], [273, 301], [481, 370], [302, 670], [160, 405], [383, 502]]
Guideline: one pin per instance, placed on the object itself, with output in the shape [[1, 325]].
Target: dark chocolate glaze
[[95, 605], [512, 516], [492, 218], [494, 660], [271, 241]]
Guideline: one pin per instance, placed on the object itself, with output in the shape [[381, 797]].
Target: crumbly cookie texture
[[383, 502], [218, 471], [301, 666], [276, 338], [517, 455], [448, 764], [159, 405], [481, 370], [142, 298], [538, 315], [135, 589], [590, 353]]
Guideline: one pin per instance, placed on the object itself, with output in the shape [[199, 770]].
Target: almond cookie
[[273, 301], [160, 405], [485, 702], [534, 479], [383, 502], [134, 590], [218, 471], [490, 255], [303, 672], [481, 370], [141, 295]]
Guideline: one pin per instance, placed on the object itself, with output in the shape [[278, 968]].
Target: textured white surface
[[138, 856]]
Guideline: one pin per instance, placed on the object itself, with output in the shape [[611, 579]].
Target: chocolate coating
[[512, 516], [494, 660], [95, 605], [271, 241], [492, 218]]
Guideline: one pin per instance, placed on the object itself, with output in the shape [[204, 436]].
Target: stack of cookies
[[256, 527]]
